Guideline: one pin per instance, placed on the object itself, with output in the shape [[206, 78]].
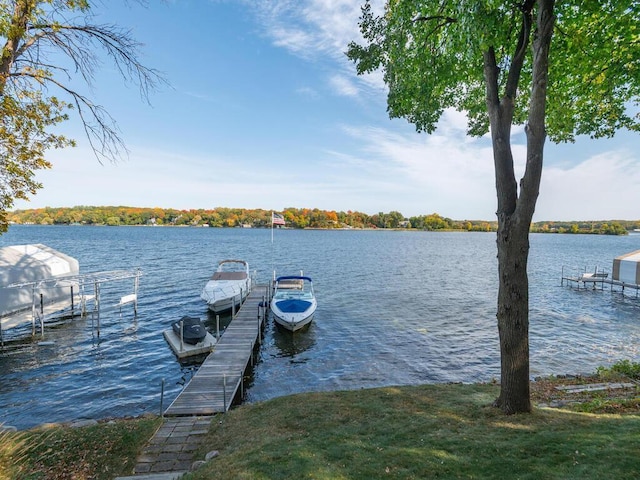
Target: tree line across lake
[[294, 218]]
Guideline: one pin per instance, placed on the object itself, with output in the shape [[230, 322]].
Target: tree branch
[[79, 43], [74, 41], [535, 128], [491, 72], [100, 129], [521, 51], [446, 19]]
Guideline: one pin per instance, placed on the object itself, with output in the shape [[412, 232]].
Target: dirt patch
[[619, 394]]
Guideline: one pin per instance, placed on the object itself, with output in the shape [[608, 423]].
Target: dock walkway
[[220, 377], [212, 390]]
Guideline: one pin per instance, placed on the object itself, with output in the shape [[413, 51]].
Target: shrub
[[622, 367]]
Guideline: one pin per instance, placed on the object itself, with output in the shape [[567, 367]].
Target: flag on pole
[[277, 219]]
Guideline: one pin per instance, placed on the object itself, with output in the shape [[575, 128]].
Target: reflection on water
[[293, 344], [394, 308]]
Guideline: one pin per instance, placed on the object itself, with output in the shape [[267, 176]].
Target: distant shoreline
[[294, 218], [340, 229]]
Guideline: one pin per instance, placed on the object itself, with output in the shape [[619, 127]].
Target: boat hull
[[292, 324], [220, 304]]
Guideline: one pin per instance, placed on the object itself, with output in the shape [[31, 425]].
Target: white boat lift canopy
[[74, 303]]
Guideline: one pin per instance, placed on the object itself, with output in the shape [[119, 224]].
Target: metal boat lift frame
[[596, 278], [67, 308]]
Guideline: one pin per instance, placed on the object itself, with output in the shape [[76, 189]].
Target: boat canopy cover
[[293, 277], [31, 263], [626, 268]]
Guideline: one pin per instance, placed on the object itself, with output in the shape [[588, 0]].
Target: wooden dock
[[220, 377]]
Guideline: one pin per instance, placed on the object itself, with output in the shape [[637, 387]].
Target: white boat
[[228, 287], [294, 302]]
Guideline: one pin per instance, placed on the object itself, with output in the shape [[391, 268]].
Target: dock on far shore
[[595, 279], [220, 378]]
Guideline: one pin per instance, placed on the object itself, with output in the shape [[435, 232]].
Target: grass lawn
[[99, 452], [431, 431], [445, 431]]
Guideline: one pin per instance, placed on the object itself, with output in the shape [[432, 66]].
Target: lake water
[[394, 308]]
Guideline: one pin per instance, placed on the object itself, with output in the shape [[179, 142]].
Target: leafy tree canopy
[[432, 56]]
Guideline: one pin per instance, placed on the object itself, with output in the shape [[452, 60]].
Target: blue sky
[[265, 111]]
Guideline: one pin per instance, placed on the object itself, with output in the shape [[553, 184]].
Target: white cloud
[[445, 172], [293, 39], [307, 92], [316, 29], [343, 86], [603, 187], [321, 26]]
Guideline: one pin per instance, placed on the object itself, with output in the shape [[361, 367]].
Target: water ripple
[[394, 308]]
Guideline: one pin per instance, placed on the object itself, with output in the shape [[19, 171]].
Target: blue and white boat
[[294, 302]]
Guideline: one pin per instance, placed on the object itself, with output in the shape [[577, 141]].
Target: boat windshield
[[231, 270], [232, 266], [289, 294], [293, 288]]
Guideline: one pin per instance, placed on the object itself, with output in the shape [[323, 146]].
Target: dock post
[[41, 315], [83, 301], [217, 328], [136, 284], [96, 303], [162, 399], [72, 306], [259, 325], [224, 392], [33, 310], [181, 335]]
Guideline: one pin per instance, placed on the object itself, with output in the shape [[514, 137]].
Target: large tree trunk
[[515, 212], [513, 315], [513, 290]]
